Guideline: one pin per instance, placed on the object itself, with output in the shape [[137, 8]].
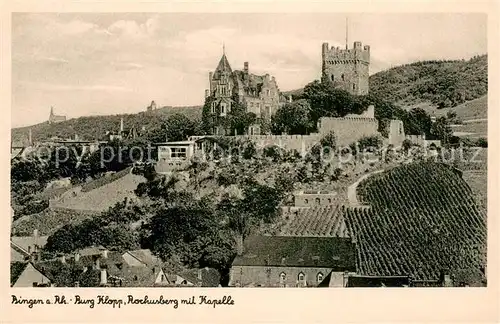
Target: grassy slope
[[434, 224]]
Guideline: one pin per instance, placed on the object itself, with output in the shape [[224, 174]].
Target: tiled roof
[[145, 256], [223, 66], [16, 269], [319, 252], [315, 221], [25, 242], [378, 281]]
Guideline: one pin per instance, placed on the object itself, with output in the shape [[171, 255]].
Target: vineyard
[[315, 221], [423, 220]]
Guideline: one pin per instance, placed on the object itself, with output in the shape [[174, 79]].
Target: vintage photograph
[[313, 150]]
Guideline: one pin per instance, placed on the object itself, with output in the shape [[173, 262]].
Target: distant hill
[[429, 83], [92, 127], [440, 83]]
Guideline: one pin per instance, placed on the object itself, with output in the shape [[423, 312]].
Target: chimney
[[207, 92], [97, 264], [200, 274], [121, 125], [104, 277], [77, 284], [77, 257], [104, 253], [446, 280], [30, 138], [245, 67], [239, 244], [63, 258], [35, 233], [289, 98]]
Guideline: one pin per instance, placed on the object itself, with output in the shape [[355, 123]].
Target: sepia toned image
[[305, 150]]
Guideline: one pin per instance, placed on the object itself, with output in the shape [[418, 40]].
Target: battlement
[[337, 55], [277, 137]]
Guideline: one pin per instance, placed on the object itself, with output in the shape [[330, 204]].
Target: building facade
[[347, 69], [293, 261], [258, 94]]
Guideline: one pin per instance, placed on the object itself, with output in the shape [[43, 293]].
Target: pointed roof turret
[[223, 65]]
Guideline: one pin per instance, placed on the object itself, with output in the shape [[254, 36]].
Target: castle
[[348, 68], [55, 118], [259, 94]]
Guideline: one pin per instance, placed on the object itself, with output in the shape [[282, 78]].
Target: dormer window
[[282, 278], [319, 277], [301, 277]]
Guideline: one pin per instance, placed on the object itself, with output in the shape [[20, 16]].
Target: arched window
[[318, 201], [282, 278], [329, 200], [353, 86], [306, 201], [343, 78], [333, 78], [319, 277], [301, 276]]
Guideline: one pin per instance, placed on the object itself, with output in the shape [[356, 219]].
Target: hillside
[[434, 224], [440, 83], [92, 127]]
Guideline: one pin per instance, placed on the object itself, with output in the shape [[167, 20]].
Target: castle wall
[[301, 143], [348, 129]]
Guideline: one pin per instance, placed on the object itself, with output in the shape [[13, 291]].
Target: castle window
[[400, 129], [222, 109], [333, 78], [301, 277], [343, 78], [213, 107], [319, 277], [353, 87], [306, 201], [318, 201]]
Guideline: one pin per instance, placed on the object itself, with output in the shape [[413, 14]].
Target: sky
[[115, 63]]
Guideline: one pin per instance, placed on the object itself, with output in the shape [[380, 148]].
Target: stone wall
[[348, 129], [305, 199], [270, 276], [301, 143]]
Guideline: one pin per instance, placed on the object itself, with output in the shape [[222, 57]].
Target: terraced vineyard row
[[423, 219], [316, 221]]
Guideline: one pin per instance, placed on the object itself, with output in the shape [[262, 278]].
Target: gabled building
[[279, 261], [26, 274], [258, 94]]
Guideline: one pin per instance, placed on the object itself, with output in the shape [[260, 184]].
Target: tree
[[422, 120], [327, 101], [292, 118], [442, 130]]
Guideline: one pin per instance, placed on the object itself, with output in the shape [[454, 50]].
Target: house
[[281, 261], [26, 274], [24, 247], [177, 155]]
